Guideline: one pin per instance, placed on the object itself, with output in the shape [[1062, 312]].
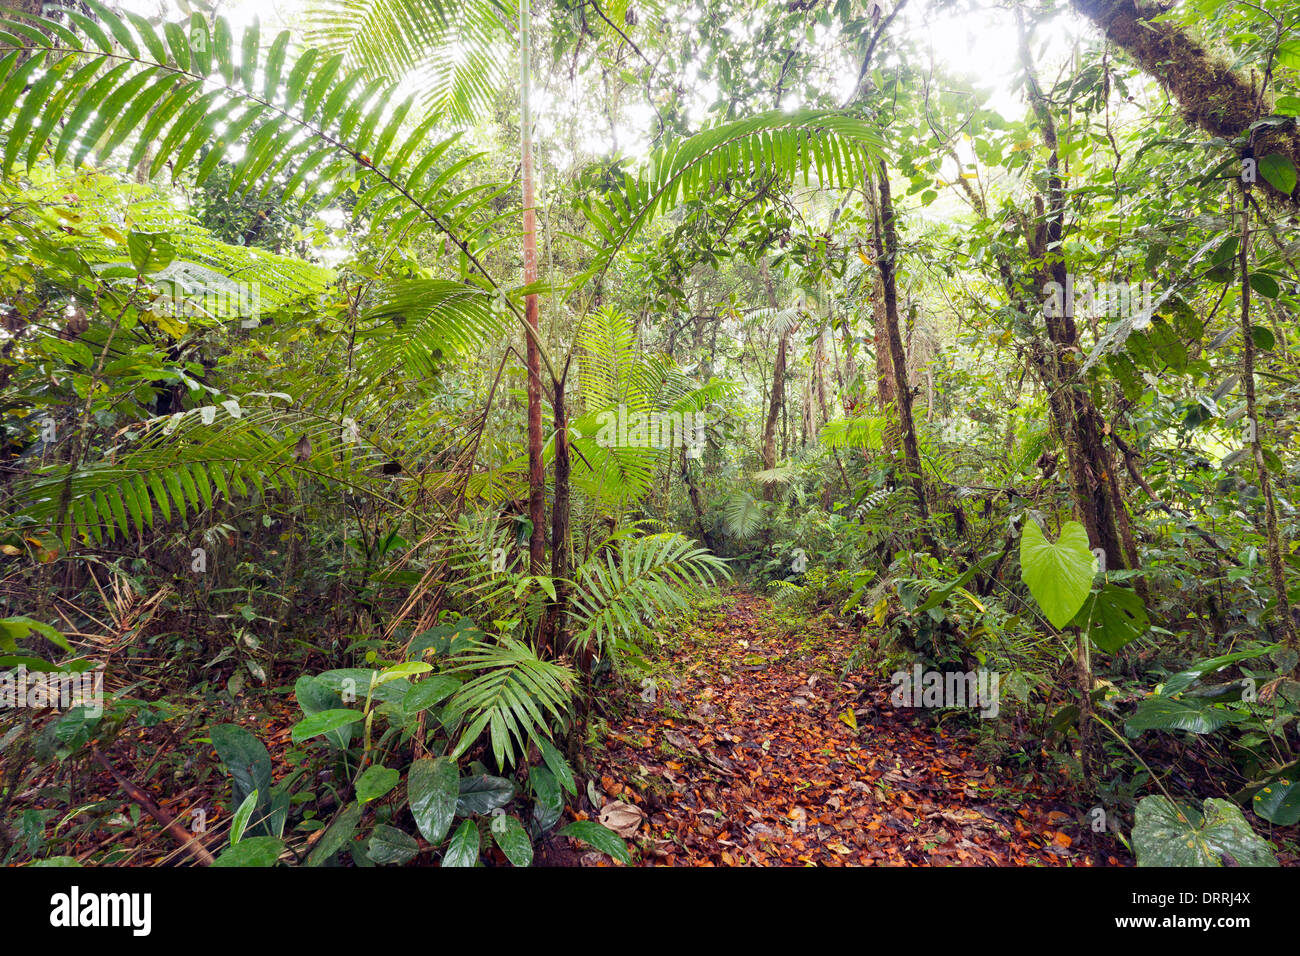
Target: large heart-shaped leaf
[[434, 790], [1059, 575], [1165, 834]]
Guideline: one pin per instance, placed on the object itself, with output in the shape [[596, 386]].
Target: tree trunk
[[536, 468], [1253, 424], [560, 522], [1089, 461], [1211, 95], [886, 261], [777, 398]]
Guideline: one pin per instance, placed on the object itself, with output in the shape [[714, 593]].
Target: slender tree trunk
[[536, 468], [887, 261], [777, 398], [560, 519], [1275, 566], [1089, 461]]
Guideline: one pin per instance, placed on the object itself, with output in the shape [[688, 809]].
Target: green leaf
[[548, 798], [1170, 713], [245, 757], [313, 697], [150, 251], [239, 822], [1114, 617], [1279, 802], [558, 765], [1264, 284], [463, 849], [600, 837], [375, 781], [255, 851], [1279, 172], [1165, 834], [1263, 337], [398, 671], [482, 793], [513, 840], [336, 835], [390, 845], [1059, 575], [1186, 678], [434, 791], [323, 723], [429, 692]]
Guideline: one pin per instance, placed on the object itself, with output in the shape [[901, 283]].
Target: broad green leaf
[[389, 845], [513, 840], [336, 835], [463, 849], [433, 790], [600, 837], [323, 723], [1172, 713], [1279, 171], [1165, 834], [1279, 802], [1114, 616], [375, 781], [482, 793], [245, 757], [428, 692], [1059, 575], [255, 851]]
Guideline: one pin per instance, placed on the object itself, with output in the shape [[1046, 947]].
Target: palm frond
[[630, 582]]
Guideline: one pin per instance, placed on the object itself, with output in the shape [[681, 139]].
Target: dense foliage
[[354, 473]]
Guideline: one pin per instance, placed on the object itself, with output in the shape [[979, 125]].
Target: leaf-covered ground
[[758, 750]]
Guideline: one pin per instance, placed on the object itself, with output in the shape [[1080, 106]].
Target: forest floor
[[757, 749]]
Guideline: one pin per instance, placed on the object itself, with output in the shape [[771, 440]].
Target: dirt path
[[755, 751]]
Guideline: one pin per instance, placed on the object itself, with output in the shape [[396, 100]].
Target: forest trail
[[757, 751]]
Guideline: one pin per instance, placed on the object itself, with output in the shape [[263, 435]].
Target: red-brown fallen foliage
[[762, 755]]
